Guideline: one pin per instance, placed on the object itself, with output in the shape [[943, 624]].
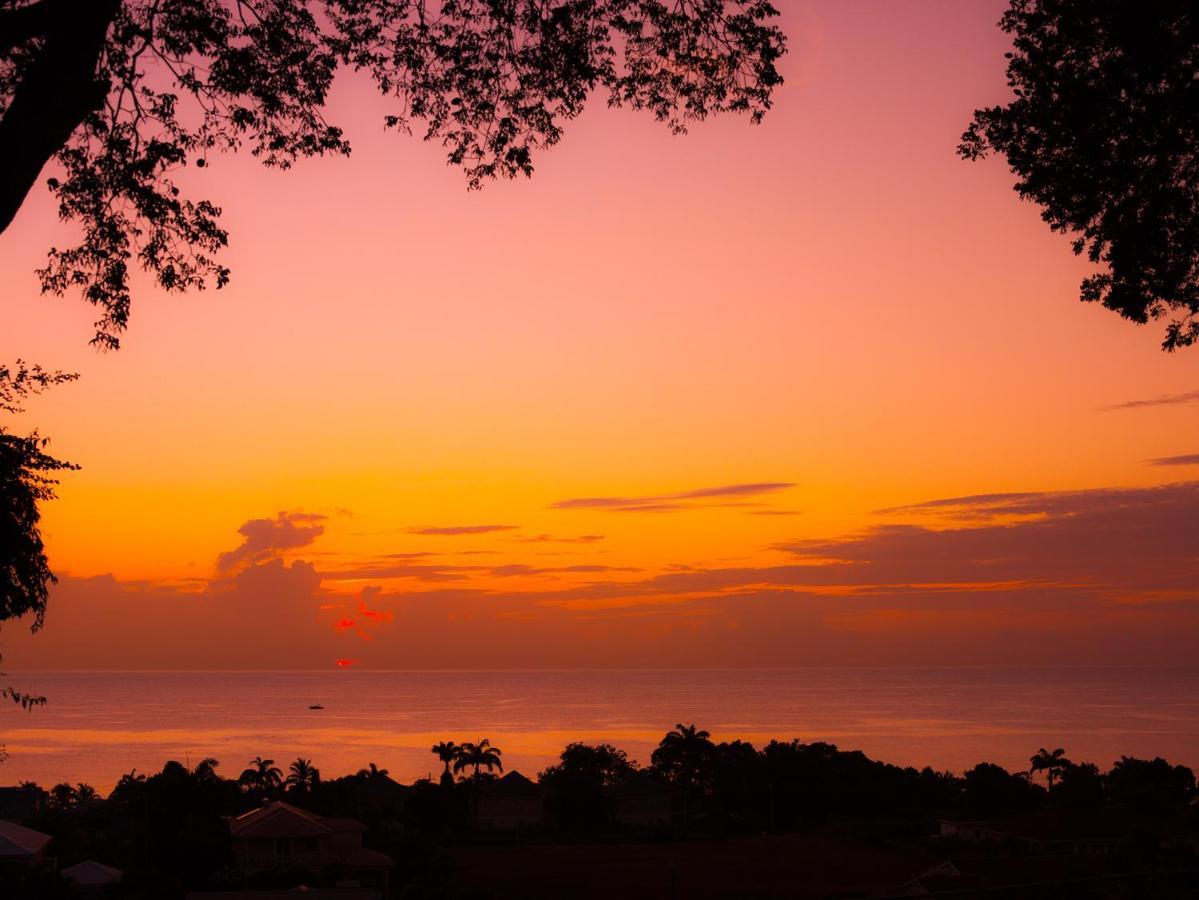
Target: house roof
[[90, 872], [1050, 825], [512, 785], [18, 842], [381, 785], [278, 820]]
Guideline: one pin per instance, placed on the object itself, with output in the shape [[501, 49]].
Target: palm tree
[[304, 776], [205, 769], [85, 794], [478, 755], [130, 784], [683, 754], [262, 777], [372, 772], [1049, 762], [447, 752], [63, 796]]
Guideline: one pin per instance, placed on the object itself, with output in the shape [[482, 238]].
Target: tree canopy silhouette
[[26, 479], [1103, 134], [123, 93]]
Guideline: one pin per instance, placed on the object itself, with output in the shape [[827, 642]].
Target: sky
[[814, 392]]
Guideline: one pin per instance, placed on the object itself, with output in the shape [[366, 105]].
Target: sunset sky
[[811, 392]]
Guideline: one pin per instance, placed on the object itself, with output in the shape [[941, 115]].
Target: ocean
[[98, 725]]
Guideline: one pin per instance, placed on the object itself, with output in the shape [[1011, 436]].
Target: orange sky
[[743, 346]]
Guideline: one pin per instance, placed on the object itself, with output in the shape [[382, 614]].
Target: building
[[281, 837], [380, 794], [22, 846], [91, 877], [1038, 833], [510, 803]]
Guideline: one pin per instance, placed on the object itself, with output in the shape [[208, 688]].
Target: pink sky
[[831, 303]]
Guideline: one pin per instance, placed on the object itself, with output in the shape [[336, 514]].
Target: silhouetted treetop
[[26, 477], [121, 93], [1103, 134]]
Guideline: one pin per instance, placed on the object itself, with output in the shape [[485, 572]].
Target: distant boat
[[316, 706]]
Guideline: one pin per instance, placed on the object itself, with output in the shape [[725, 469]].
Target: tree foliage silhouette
[[477, 755], [123, 93], [1051, 762], [262, 777], [303, 777], [447, 752], [26, 480], [1103, 134]]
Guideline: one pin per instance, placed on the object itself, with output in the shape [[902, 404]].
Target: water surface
[[98, 725]]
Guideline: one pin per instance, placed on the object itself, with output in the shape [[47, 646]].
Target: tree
[[371, 772], [1150, 785], [577, 783], [303, 777], [989, 789], [1102, 133], [1050, 762], [262, 777], [129, 787], [122, 94], [205, 770], [26, 480], [447, 752], [478, 755], [684, 755]]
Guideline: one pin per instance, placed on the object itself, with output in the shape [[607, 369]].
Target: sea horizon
[[99, 724]]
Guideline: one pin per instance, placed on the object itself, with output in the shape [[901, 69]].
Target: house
[[643, 801], [280, 837], [22, 803], [22, 846], [510, 803], [1041, 833], [91, 877], [380, 794]]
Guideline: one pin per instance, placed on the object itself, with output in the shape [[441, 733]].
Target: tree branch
[[57, 91]]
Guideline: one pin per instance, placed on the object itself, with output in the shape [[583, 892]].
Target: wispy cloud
[[456, 530], [1162, 400], [1189, 459], [673, 502], [554, 539], [264, 539]]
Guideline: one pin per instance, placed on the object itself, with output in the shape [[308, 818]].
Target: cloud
[[1162, 400], [1190, 459], [676, 501], [264, 539], [553, 539], [1109, 538], [455, 530], [1104, 576], [516, 569]]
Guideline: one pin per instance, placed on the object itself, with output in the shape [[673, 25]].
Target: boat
[[316, 706]]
